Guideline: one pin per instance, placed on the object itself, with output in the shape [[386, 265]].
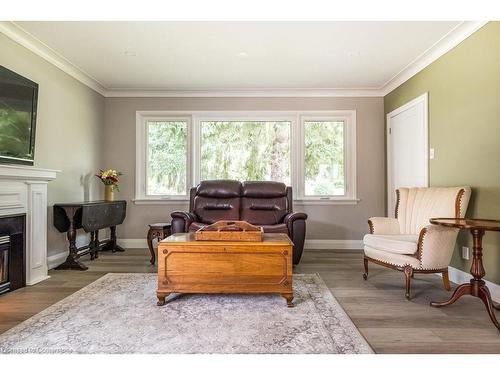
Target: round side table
[[476, 287], [157, 231]]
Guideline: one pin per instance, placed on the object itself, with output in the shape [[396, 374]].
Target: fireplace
[[12, 253]]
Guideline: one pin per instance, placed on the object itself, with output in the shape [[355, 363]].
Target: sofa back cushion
[[416, 206], [216, 200], [263, 203]]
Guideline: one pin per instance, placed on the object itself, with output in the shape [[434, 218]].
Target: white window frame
[[297, 149], [349, 120], [141, 169]]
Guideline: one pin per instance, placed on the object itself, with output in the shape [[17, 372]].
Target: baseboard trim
[[333, 244], [139, 243], [460, 277], [132, 243], [56, 259]]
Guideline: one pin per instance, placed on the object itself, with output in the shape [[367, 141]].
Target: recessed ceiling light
[[243, 54]]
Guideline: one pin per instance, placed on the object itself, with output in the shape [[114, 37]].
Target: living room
[[249, 185]]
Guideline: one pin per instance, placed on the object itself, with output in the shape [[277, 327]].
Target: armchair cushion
[[400, 260], [395, 243]]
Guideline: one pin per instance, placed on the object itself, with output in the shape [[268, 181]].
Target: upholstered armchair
[[409, 243]]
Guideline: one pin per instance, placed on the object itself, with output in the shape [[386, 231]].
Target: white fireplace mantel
[[23, 190]]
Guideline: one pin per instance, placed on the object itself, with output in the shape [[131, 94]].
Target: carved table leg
[[92, 246], [476, 287], [97, 244], [289, 299], [462, 290], [72, 262], [161, 298], [151, 235], [112, 245], [484, 294]]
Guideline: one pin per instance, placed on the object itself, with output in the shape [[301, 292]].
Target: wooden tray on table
[[230, 231]]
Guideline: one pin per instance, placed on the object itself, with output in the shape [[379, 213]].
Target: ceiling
[[239, 55]]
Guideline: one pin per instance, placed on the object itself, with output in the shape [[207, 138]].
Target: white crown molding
[[442, 46], [21, 36], [246, 93]]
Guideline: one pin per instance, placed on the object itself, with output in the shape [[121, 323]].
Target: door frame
[[424, 98]]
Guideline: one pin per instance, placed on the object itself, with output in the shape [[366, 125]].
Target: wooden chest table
[[189, 266]]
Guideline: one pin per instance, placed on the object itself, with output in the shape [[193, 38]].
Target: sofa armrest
[[181, 221], [289, 218], [436, 245], [296, 225], [383, 225]]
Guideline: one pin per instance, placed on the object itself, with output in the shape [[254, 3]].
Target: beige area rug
[[118, 314]]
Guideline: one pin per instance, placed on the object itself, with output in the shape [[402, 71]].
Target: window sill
[[297, 202], [160, 201], [326, 202]]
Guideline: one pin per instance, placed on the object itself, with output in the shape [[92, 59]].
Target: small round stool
[[158, 231]]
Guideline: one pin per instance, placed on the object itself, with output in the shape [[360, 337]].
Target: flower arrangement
[[109, 177]]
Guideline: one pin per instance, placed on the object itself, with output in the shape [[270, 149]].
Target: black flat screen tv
[[18, 102]]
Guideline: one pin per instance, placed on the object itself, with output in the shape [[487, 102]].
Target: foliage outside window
[[245, 150], [167, 157], [314, 152], [324, 158]]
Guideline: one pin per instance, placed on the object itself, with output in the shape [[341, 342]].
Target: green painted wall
[[464, 129]]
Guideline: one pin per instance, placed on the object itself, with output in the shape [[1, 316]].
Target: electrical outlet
[[465, 253]]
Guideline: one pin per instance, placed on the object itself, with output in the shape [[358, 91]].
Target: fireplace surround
[[23, 192]]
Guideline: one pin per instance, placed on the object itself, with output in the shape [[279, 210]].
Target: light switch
[[431, 153], [465, 253]]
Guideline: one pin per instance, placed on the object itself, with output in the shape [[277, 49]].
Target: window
[[314, 152], [167, 146], [245, 150], [324, 158]]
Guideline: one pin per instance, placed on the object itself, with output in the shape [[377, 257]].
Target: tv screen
[[18, 101]]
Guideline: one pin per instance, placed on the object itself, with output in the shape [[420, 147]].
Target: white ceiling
[[240, 55]]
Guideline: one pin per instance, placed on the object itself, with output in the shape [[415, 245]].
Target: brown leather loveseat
[[265, 204]]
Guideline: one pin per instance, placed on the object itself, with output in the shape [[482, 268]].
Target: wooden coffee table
[[189, 266]]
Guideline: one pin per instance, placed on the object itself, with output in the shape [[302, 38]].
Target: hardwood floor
[[377, 306]]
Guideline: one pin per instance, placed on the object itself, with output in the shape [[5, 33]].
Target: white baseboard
[[139, 243], [56, 259], [333, 244], [460, 277], [132, 243]]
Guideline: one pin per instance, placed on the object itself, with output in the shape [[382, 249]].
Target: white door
[[407, 148]]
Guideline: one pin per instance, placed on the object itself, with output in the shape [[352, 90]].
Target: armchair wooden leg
[[408, 270], [365, 262], [446, 280]]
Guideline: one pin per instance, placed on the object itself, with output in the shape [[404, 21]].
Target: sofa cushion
[[263, 189], [208, 210], [394, 243], [219, 189], [263, 203]]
